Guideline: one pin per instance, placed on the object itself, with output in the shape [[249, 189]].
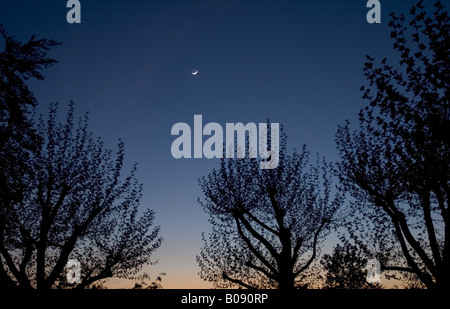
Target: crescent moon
[[194, 72]]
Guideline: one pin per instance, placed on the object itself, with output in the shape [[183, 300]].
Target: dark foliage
[[62, 193], [397, 165], [346, 268], [267, 225]]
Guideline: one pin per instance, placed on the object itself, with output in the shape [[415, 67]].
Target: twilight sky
[[129, 64]]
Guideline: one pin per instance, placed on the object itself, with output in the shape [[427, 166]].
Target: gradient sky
[[128, 63]]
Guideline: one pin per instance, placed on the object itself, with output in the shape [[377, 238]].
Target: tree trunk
[[286, 281], [285, 265]]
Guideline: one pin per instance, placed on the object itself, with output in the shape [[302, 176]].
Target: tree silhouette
[[267, 225], [18, 63], [155, 285], [397, 163], [76, 207], [346, 268], [62, 197]]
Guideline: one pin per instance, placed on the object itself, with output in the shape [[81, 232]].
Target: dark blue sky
[[128, 63]]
